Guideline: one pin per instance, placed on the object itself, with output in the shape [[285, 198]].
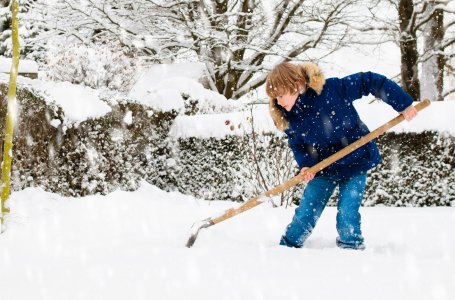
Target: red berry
[[227, 122]]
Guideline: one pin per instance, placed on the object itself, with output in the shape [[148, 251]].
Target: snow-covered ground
[[130, 245]]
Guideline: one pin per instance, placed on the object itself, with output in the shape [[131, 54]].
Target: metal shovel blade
[[195, 230]]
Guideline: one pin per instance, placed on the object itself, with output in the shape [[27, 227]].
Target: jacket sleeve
[[305, 155], [355, 86]]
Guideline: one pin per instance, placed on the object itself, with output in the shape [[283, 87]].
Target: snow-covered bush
[[97, 66], [268, 162]]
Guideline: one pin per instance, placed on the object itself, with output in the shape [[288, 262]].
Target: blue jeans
[[314, 199]]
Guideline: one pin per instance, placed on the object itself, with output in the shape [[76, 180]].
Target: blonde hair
[[289, 78], [285, 78]]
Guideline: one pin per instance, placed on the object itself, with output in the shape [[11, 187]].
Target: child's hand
[[409, 113], [307, 176]]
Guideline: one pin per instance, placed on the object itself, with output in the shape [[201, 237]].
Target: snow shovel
[[299, 178]]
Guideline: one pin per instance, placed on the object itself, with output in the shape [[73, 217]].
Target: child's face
[[287, 100]]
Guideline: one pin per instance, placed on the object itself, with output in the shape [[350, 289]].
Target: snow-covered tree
[[432, 82], [434, 37], [238, 40], [408, 47], [425, 32], [5, 26], [28, 27]]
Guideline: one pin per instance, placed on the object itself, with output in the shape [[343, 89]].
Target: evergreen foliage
[[97, 156], [418, 169], [29, 28]]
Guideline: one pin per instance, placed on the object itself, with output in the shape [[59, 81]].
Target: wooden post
[[10, 118]]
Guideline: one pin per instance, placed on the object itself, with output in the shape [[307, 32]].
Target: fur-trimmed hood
[[315, 77], [315, 80]]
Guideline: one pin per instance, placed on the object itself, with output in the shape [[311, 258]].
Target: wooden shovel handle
[[318, 167]]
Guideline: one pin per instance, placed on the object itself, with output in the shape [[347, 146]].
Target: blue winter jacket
[[320, 125]]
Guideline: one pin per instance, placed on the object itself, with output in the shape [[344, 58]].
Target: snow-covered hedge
[[418, 169], [131, 142], [97, 155], [227, 168]]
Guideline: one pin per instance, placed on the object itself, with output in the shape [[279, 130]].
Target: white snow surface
[[131, 245], [161, 87], [78, 102], [25, 65], [153, 87], [438, 116]]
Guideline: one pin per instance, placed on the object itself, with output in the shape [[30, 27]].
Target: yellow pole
[[10, 115]]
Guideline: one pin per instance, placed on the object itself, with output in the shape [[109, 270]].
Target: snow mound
[[163, 87], [78, 102]]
